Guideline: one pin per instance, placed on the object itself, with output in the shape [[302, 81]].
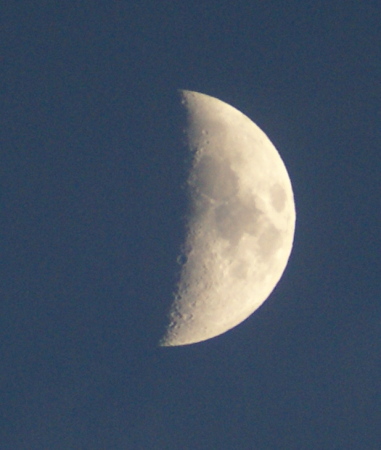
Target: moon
[[240, 227]]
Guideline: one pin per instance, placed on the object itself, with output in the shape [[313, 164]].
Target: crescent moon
[[241, 224]]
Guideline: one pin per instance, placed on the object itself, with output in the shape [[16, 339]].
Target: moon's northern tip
[[241, 226]]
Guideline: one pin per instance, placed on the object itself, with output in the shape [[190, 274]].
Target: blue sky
[[92, 220]]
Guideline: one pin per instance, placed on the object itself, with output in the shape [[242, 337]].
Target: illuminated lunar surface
[[241, 224]]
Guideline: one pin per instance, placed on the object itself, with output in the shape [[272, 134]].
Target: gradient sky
[[92, 222]]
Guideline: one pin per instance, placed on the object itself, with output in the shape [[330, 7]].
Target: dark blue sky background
[[92, 221]]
